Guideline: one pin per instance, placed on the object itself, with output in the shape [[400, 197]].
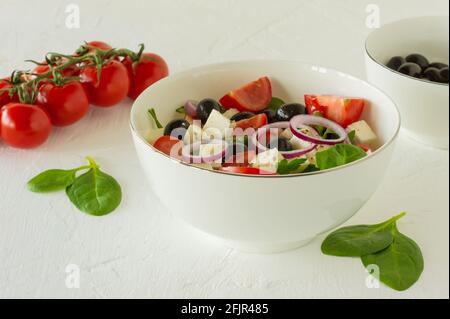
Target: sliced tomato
[[342, 110], [245, 170], [254, 96], [169, 145], [255, 122], [242, 159]]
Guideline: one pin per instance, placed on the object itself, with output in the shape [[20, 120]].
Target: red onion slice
[[190, 107], [286, 154], [188, 157], [305, 121]]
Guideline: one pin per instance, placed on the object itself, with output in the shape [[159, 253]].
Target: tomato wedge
[[255, 122], [254, 96], [245, 170], [342, 110], [169, 145]]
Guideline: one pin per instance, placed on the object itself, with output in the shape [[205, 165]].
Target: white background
[[141, 250]]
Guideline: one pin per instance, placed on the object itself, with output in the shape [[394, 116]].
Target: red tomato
[[65, 104], [112, 87], [253, 97], [255, 122], [341, 110], [169, 145], [143, 73], [240, 160], [24, 125], [99, 45], [44, 68], [366, 148], [4, 96], [245, 170]]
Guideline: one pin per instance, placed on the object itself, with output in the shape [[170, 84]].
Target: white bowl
[[262, 214], [422, 104]]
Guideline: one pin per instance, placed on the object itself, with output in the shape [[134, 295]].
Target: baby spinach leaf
[[95, 192], [51, 180], [275, 103], [310, 168], [351, 136], [288, 167], [338, 155], [360, 240], [152, 114], [400, 264]]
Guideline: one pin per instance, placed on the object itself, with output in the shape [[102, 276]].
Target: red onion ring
[[304, 121], [197, 159], [190, 107], [286, 154]]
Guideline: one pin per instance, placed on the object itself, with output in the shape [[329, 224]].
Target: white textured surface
[[140, 250]]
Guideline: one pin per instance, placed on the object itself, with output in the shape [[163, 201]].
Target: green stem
[[152, 113], [93, 164]]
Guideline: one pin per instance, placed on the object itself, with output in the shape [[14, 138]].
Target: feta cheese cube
[[298, 143], [217, 124], [193, 134], [363, 133], [268, 160], [230, 113], [207, 150]]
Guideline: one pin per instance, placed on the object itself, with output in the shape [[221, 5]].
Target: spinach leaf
[[310, 168], [289, 167], [360, 240], [400, 264], [51, 180], [95, 192], [352, 136], [152, 114], [275, 103], [338, 155]]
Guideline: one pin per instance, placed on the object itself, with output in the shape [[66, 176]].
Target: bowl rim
[[368, 53], [185, 72]]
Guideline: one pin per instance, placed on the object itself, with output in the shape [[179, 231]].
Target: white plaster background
[[141, 250]]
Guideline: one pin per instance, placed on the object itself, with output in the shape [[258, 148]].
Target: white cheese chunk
[[268, 160], [363, 133], [216, 124], [207, 150], [298, 143]]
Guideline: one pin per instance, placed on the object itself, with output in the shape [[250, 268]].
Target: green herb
[[152, 114], [338, 155], [310, 168], [400, 264], [95, 192], [92, 192], [360, 240], [351, 136], [275, 103], [181, 110], [398, 257], [289, 167]]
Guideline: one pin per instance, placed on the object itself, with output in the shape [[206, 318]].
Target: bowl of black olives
[[408, 60]]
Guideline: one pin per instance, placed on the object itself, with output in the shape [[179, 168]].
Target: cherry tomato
[[4, 96], [242, 159], [255, 122], [65, 104], [169, 145], [341, 110], [245, 170], [143, 73], [99, 45], [112, 87], [44, 68], [253, 97], [24, 125]]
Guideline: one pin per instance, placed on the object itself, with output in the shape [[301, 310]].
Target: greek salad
[[249, 131]]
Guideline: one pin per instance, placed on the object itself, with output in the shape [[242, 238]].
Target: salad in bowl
[[249, 131]]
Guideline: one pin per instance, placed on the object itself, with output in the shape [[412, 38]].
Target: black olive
[[411, 69], [444, 75], [288, 111], [205, 107], [280, 143], [438, 65], [395, 62], [418, 59], [242, 116], [271, 115], [177, 128], [432, 74]]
